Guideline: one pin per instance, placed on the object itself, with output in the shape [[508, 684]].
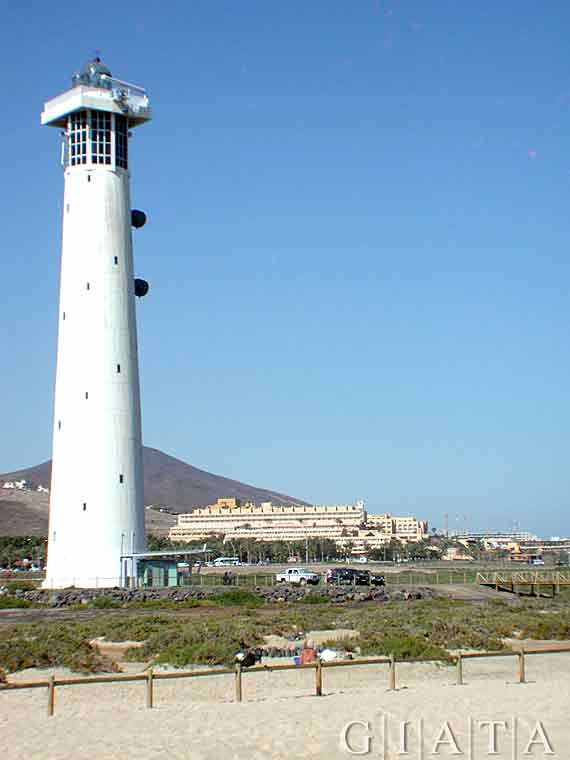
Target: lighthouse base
[[87, 583]]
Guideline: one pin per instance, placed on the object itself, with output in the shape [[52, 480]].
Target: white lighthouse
[[96, 505]]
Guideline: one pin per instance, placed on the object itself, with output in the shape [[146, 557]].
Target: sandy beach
[[280, 718]]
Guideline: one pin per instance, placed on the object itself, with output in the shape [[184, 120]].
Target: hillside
[[168, 482], [25, 513]]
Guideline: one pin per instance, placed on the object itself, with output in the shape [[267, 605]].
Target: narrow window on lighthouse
[[63, 316], [78, 138], [121, 142], [86, 394], [118, 367], [100, 137], [59, 424], [116, 260], [84, 506], [88, 286], [121, 479]]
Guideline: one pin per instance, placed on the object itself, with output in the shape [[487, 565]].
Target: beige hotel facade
[[344, 523]]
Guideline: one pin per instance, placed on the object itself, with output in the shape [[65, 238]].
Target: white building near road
[[18, 485]]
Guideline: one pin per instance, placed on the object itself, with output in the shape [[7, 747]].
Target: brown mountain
[[168, 482]]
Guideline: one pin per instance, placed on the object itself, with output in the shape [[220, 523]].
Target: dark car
[[377, 580], [349, 576]]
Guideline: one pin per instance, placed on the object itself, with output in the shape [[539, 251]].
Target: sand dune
[[279, 717]]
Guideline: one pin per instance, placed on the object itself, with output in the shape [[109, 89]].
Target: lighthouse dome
[[94, 74]]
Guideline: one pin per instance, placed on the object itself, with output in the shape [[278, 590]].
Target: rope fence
[[150, 676]]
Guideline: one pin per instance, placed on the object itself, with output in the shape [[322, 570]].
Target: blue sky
[[357, 244]]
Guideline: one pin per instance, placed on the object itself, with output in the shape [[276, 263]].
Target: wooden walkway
[[526, 582]]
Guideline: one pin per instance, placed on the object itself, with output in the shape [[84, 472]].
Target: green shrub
[[453, 634], [544, 627], [105, 603], [128, 628], [198, 652], [237, 597], [316, 599], [212, 642], [346, 643], [14, 586], [8, 602], [57, 645], [403, 647]]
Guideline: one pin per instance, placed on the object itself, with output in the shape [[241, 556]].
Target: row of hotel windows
[[278, 508], [93, 130], [274, 530]]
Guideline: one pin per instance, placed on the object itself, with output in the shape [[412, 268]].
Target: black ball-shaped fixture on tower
[[138, 218], [141, 287]]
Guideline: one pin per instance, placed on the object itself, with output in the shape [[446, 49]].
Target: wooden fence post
[[238, 682], [459, 681], [521, 666], [319, 678], [51, 696], [149, 689], [392, 674]]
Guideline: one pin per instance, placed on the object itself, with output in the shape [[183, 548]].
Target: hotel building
[[344, 524]]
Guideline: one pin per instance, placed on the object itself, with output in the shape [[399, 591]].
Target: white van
[[226, 561]]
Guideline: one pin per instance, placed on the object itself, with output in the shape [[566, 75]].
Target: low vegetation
[[403, 646], [13, 602], [13, 586], [419, 629], [237, 597], [212, 642], [49, 646]]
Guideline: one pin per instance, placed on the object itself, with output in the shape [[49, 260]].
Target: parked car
[[350, 576], [376, 579], [298, 576]]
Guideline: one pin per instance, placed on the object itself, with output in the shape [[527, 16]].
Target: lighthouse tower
[[96, 500]]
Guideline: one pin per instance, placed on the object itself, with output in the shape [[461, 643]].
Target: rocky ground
[[274, 594]]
